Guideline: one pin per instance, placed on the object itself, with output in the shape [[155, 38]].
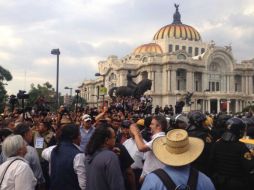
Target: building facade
[[178, 61]]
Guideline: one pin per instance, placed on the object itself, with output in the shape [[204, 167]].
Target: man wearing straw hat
[[176, 150]]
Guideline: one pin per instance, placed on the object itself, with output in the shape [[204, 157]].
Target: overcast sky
[[87, 31]]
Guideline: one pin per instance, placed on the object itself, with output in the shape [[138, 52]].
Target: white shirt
[[18, 176], [136, 155], [78, 164], [151, 162]]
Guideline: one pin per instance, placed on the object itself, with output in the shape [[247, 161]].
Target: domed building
[[178, 61]]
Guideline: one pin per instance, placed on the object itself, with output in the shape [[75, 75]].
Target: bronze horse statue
[[125, 91]]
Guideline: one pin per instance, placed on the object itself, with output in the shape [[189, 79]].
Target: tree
[[41, 97], [4, 75], [81, 102]]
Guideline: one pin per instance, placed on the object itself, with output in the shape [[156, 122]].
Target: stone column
[[243, 104], [224, 84], [228, 105], [189, 81], [236, 105], [227, 83], [209, 105], [203, 105], [204, 81], [169, 81], [218, 105], [154, 81], [250, 85], [173, 80], [151, 77], [247, 85], [197, 106], [232, 83], [243, 84]]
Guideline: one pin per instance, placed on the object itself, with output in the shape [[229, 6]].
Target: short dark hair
[[47, 124], [162, 121], [21, 129], [6, 122], [69, 132], [5, 132], [147, 122]]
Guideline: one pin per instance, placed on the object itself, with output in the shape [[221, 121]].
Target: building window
[[196, 51], [202, 50], [190, 50], [217, 86], [196, 85], [178, 84], [178, 73], [181, 56], [170, 48], [213, 86], [177, 47], [184, 48]]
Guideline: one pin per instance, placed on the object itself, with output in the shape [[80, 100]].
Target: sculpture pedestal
[[186, 109]]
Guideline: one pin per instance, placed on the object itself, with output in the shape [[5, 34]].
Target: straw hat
[[141, 122], [177, 149]]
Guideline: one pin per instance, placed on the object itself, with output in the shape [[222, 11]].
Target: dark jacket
[[63, 175], [230, 163]]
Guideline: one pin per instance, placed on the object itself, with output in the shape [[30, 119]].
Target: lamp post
[[97, 98], [57, 53], [103, 85], [77, 92]]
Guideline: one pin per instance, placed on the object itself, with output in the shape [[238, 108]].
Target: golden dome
[[148, 48], [177, 30]]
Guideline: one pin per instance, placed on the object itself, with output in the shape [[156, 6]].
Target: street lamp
[[77, 92], [103, 85], [101, 75], [97, 98], [57, 53]]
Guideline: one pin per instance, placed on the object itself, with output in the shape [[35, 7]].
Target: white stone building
[[177, 61]]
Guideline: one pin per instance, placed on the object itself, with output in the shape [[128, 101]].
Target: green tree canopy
[[41, 94], [4, 75]]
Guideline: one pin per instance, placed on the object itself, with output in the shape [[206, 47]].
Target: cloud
[[88, 31]]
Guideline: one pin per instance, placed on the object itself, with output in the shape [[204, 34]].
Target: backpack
[[170, 185]]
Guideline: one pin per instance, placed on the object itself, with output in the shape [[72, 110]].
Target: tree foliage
[[41, 94], [4, 75]]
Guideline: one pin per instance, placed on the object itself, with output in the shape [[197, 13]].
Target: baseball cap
[[86, 117]]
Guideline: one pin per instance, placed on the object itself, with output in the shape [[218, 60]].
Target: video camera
[[22, 95]]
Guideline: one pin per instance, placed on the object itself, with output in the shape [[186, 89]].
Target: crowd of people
[[124, 145]]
